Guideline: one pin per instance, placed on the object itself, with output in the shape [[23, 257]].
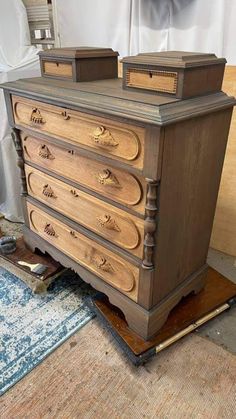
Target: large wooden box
[[79, 64], [176, 73]]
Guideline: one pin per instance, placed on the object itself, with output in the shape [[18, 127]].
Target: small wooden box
[[176, 73], [79, 64]]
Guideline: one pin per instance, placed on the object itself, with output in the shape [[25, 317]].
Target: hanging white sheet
[[18, 59], [132, 26]]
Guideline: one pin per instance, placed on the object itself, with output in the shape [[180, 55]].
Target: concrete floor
[[222, 330]]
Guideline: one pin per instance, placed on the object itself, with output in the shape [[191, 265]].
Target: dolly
[[192, 312]]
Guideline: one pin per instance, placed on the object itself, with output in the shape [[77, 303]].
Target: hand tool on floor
[[7, 245], [36, 268]]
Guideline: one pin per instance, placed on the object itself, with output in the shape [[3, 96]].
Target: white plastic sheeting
[[18, 59], [132, 26]]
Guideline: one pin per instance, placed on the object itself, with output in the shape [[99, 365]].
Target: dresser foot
[[147, 323]]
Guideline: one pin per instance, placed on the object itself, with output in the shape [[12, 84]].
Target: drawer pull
[[36, 117], [45, 153], [101, 263], [65, 115], [49, 230], [106, 221], [47, 191], [74, 193], [107, 178], [72, 233], [103, 137]]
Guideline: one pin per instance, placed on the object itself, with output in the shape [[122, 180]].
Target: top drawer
[[57, 69], [119, 141]]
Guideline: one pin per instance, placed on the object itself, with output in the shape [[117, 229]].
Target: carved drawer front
[[114, 184], [113, 224], [120, 141], [57, 68], [108, 266]]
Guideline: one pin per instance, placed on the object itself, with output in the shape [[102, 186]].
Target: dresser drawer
[[57, 69], [108, 266], [113, 224], [114, 184], [120, 141]]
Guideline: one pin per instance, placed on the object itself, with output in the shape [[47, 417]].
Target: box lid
[[177, 59], [78, 52]]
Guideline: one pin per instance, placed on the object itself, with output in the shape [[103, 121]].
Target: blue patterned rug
[[32, 326]]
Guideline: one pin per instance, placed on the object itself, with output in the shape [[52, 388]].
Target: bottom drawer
[[108, 266]]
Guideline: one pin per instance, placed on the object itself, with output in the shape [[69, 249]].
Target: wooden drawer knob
[[36, 117], [65, 115], [48, 191], [106, 221], [49, 230], [103, 137], [74, 193], [101, 263], [45, 153], [107, 178], [73, 234]]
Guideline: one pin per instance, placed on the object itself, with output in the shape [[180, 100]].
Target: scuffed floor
[[88, 377]]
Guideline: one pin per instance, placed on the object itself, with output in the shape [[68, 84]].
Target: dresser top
[[108, 98], [177, 59], [78, 52]]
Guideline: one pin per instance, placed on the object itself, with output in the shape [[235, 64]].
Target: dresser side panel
[[192, 163]]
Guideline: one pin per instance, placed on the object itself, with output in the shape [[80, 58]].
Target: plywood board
[[224, 228]]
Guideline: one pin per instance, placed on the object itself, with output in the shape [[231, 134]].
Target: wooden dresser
[[121, 186]]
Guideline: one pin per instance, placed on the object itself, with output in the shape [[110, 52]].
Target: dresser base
[[219, 294], [145, 323]]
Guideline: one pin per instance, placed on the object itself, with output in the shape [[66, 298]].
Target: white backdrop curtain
[[18, 59], [133, 26]]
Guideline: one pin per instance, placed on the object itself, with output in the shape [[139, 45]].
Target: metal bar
[[191, 327]]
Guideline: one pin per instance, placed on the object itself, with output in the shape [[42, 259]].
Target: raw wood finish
[[106, 137], [224, 228], [116, 185], [109, 222], [57, 68], [191, 169], [105, 264], [159, 81]]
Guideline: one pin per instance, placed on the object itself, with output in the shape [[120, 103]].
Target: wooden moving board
[[218, 295]]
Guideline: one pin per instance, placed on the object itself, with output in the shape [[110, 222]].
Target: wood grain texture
[[105, 137], [224, 228], [105, 264], [192, 162], [109, 222], [57, 68], [115, 184], [159, 81]]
